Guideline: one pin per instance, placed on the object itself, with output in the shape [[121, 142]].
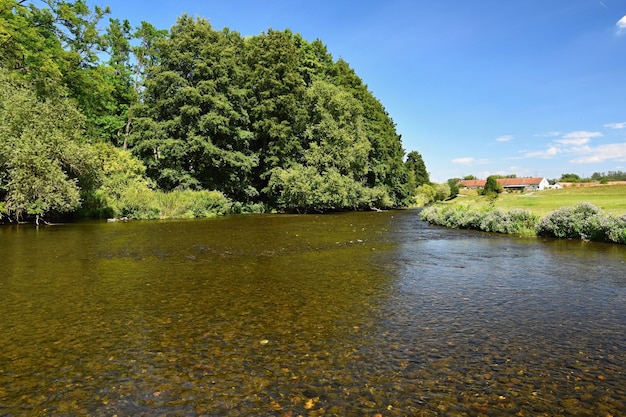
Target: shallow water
[[353, 314]]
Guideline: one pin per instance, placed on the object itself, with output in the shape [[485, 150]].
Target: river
[[351, 314]]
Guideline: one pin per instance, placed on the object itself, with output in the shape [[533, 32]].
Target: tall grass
[[584, 221], [185, 204]]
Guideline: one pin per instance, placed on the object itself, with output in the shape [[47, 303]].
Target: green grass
[[610, 198]]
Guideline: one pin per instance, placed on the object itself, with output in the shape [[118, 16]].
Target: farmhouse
[[511, 184]]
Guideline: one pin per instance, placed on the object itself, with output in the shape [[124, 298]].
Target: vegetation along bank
[[112, 121], [550, 213]]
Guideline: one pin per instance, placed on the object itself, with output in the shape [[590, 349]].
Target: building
[[509, 184]]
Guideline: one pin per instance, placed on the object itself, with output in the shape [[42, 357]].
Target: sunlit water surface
[[355, 314]]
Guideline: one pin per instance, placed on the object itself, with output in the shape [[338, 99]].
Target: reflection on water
[[348, 315]]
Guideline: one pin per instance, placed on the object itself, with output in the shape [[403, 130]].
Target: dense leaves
[[267, 121], [42, 158]]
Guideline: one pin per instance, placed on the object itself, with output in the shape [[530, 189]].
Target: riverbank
[[583, 221]]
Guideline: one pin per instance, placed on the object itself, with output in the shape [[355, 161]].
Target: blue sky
[[532, 87]]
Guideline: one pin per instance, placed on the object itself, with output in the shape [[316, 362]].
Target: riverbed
[[350, 314]]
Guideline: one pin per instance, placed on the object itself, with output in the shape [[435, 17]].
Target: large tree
[[42, 155], [417, 169], [193, 126]]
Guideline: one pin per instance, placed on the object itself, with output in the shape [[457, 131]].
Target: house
[[509, 184]]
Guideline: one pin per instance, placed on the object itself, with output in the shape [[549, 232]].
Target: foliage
[[42, 157], [492, 187], [417, 170], [424, 195], [454, 189], [200, 109], [570, 178], [442, 191], [267, 110], [609, 176], [584, 221], [489, 220]]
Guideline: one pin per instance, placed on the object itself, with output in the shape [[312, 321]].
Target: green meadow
[[609, 198]]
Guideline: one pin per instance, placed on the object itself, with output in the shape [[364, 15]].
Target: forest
[[102, 119]]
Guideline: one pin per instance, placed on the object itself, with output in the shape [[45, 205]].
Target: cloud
[[621, 25], [463, 161], [610, 151], [505, 138], [573, 141], [577, 138], [548, 153], [548, 135], [582, 134], [621, 125]]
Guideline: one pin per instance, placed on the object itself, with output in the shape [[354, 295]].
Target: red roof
[[472, 183]]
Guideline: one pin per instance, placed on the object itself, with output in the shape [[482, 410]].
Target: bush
[[487, 220], [584, 221]]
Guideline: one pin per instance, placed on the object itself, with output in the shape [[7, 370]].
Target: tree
[[277, 88], [42, 155], [417, 169], [454, 189], [442, 192], [192, 129], [570, 178], [492, 186]]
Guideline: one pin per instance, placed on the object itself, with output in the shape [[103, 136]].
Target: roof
[[472, 183], [512, 182]]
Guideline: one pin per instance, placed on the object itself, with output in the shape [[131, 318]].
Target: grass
[[609, 198]]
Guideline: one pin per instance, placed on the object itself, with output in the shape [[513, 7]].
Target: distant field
[[610, 198]]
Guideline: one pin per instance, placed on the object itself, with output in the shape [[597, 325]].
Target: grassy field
[[610, 198]]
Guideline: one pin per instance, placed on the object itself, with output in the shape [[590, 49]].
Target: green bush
[[488, 220], [584, 221]]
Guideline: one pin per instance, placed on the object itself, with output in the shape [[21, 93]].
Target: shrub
[[584, 221], [488, 220]]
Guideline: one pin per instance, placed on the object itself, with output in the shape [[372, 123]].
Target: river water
[[353, 314]]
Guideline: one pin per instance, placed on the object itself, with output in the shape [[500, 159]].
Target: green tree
[[43, 157], [454, 189], [193, 129], [417, 169], [492, 186], [442, 191], [570, 178], [387, 170], [278, 89]]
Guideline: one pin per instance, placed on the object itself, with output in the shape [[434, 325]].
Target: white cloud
[[548, 135], [621, 125], [611, 151], [621, 25], [548, 153], [573, 141], [582, 134], [463, 161], [505, 138]]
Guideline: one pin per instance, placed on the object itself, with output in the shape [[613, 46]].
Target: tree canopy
[[270, 119]]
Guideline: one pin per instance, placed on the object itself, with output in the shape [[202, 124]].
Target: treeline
[[112, 122], [602, 177]]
